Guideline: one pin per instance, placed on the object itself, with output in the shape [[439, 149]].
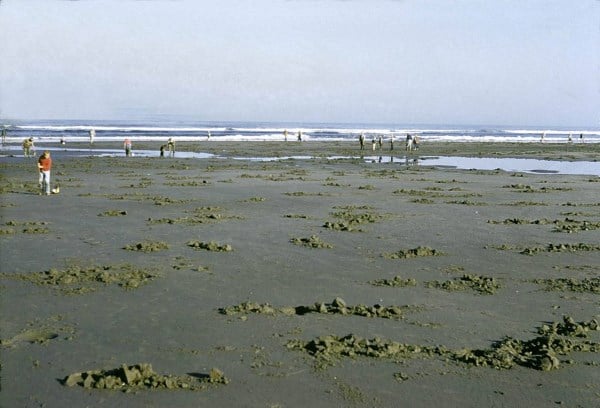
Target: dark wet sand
[[171, 317]]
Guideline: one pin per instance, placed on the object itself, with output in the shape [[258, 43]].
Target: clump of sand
[[397, 282], [540, 353], [141, 376], [147, 246], [482, 284], [314, 241], [337, 306], [413, 253], [210, 246], [77, 279], [591, 285]]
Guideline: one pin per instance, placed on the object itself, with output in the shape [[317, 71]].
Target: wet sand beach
[[301, 282]]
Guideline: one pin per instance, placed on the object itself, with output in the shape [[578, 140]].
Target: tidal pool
[[457, 162]]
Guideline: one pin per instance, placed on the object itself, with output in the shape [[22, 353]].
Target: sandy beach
[[302, 282]]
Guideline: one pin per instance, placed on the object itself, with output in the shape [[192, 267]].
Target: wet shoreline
[[485, 156]]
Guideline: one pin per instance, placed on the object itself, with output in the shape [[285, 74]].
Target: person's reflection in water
[[411, 162]]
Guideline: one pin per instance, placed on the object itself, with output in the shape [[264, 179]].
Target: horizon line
[[188, 118]]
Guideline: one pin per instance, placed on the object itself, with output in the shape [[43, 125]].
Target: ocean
[[149, 130]]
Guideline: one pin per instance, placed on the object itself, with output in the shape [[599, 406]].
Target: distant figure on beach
[[3, 134], [543, 137], [581, 137], [26, 146], [361, 140], [409, 142], [127, 147], [299, 135], [44, 167], [392, 142], [92, 135], [171, 146], [162, 150], [373, 143], [380, 142], [416, 142], [28, 149], [285, 133], [570, 138], [63, 141], [208, 136]]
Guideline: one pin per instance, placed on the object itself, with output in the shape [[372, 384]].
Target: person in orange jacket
[[44, 166]]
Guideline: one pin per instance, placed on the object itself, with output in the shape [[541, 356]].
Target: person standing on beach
[[27, 143], [570, 138], [380, 142], [374, 143], [44, 167], [3, 134], [92, 135], [361, 140], [299, 135], [208, 136], [171, 146], [542, 138], [285, 133], [392, 142], [28, 147], [581, 137], [127, 147]]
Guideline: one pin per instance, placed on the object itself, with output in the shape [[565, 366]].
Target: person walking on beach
[[542, 138], [127, 147], [380, 142], [92, 135], [361, 140], [373, 143], [570, 138], [44, 167], [299, 135], [392, 142], [171, 146], [581, 138], [285, 133], [416, 142]]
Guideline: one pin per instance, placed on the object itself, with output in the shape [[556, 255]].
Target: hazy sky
[[509, 62]]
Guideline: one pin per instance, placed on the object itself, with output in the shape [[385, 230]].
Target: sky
[[509, 62]]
